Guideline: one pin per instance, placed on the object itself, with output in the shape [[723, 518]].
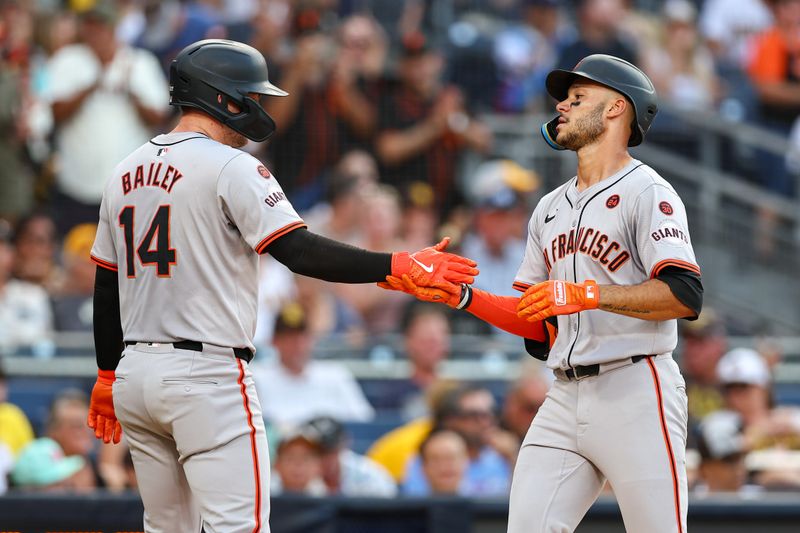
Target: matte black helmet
[[612, 72], [208, 74]]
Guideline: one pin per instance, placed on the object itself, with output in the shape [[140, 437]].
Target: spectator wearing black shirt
[[424, 125], [332, 86]]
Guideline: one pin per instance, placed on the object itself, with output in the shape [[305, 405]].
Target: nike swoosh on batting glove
[[102, 418], [557, 297], [433, 267]]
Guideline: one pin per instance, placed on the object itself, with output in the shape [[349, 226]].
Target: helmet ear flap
[[549, 133]]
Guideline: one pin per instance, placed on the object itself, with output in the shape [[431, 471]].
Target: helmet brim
[[558, 82], [262, 87]]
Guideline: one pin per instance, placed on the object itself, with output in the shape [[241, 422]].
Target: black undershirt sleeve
[[686, 286], [107, 324], [309, 254]]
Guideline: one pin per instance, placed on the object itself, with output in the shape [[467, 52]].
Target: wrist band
[[466, 296]]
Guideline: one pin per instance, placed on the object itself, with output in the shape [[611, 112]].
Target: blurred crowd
[[382, 143], [428, 434]]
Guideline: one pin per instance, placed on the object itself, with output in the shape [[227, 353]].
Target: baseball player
[[608, 266], [182, 222]]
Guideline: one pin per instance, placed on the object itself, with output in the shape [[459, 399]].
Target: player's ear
[[617, 106]]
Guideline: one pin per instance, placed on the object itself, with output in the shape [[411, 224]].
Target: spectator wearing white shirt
[[293, 388], [105, 99], [25, 318]]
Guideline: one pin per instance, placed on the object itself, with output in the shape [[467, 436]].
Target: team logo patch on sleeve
[[613, 201], [665, 208], [264, 171]]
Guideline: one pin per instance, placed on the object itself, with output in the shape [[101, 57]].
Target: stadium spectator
[[72, 304], [25, 316], [772, 433], [547, 17], [294, 388], [470, 411], [703, 343], [341, 215], [426, 339], [424, 125], [298, 463], [36, 245], [171, 25], [115, 466], [16, 176], [680, 66], [722, 449], [103, 91], [499, 189], [729, 25], [598, 26], [15, 429], [523, 57], [523, 399], [445, 460], [66, 425], [396, 448], [331, 104], [344, 471], [775, 73], [381, 225], [270, 29], [42, 466]]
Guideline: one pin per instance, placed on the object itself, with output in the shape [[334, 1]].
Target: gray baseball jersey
[[183, 219], [623, 231], [627, 422]]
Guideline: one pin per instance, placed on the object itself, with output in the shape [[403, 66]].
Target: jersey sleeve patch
[[266, 241], [104, 264], [661, 265]]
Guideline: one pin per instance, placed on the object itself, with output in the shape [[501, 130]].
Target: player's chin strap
[[549, 133]]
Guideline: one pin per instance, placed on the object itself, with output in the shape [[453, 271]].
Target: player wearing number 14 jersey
[[182, 223]]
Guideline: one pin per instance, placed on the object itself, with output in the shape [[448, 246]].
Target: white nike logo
[[426, 268]]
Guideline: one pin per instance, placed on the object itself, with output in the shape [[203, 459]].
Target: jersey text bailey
[[154, 177]]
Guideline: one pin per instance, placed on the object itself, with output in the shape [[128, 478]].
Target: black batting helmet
[[208, 74], [612, 72]]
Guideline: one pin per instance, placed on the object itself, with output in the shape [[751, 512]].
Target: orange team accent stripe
[[105, 264], [673, 262], [278, 233], [253, 447], [667, 443], [521, 287]]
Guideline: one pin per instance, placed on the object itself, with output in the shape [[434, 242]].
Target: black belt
[[241, 353], [592, 370]]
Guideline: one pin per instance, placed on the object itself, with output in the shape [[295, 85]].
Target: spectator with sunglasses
[[470, 411]]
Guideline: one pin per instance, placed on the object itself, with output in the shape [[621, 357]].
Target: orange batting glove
[[433, 267], [451, 296], [101, 409], [557, 297]]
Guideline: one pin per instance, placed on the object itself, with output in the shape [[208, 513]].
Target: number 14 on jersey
[[163, 257]]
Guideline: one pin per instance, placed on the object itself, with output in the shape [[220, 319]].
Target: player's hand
[[451, 297], [102, 418], [433, 267], [557, 297]]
